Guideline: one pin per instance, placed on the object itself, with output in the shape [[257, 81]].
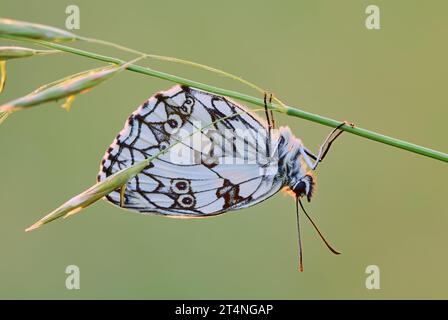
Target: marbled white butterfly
[[226, 157]]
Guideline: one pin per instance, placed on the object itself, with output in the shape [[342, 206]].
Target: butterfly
[[213, 155]]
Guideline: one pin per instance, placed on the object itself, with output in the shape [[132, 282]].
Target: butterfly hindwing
[[222, 165]]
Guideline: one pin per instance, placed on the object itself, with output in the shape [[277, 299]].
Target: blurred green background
[[378, 205]]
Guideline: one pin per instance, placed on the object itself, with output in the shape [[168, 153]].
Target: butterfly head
[[304, 187]]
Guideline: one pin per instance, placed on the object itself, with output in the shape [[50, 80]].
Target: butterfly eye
[[300, 189], [305, 187]]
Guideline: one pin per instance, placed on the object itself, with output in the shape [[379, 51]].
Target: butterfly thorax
[[297, 177]]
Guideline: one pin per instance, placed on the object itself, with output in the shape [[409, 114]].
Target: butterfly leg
[[324, 148], [271, 112], [270, 120], [266, 111]]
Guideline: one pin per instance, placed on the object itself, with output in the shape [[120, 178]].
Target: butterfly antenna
[[316, 228], [299, 237]]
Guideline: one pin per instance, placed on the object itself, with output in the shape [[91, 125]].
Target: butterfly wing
[[217, 158]]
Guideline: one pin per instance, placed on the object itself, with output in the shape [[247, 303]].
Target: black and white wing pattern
[[217, 158]]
